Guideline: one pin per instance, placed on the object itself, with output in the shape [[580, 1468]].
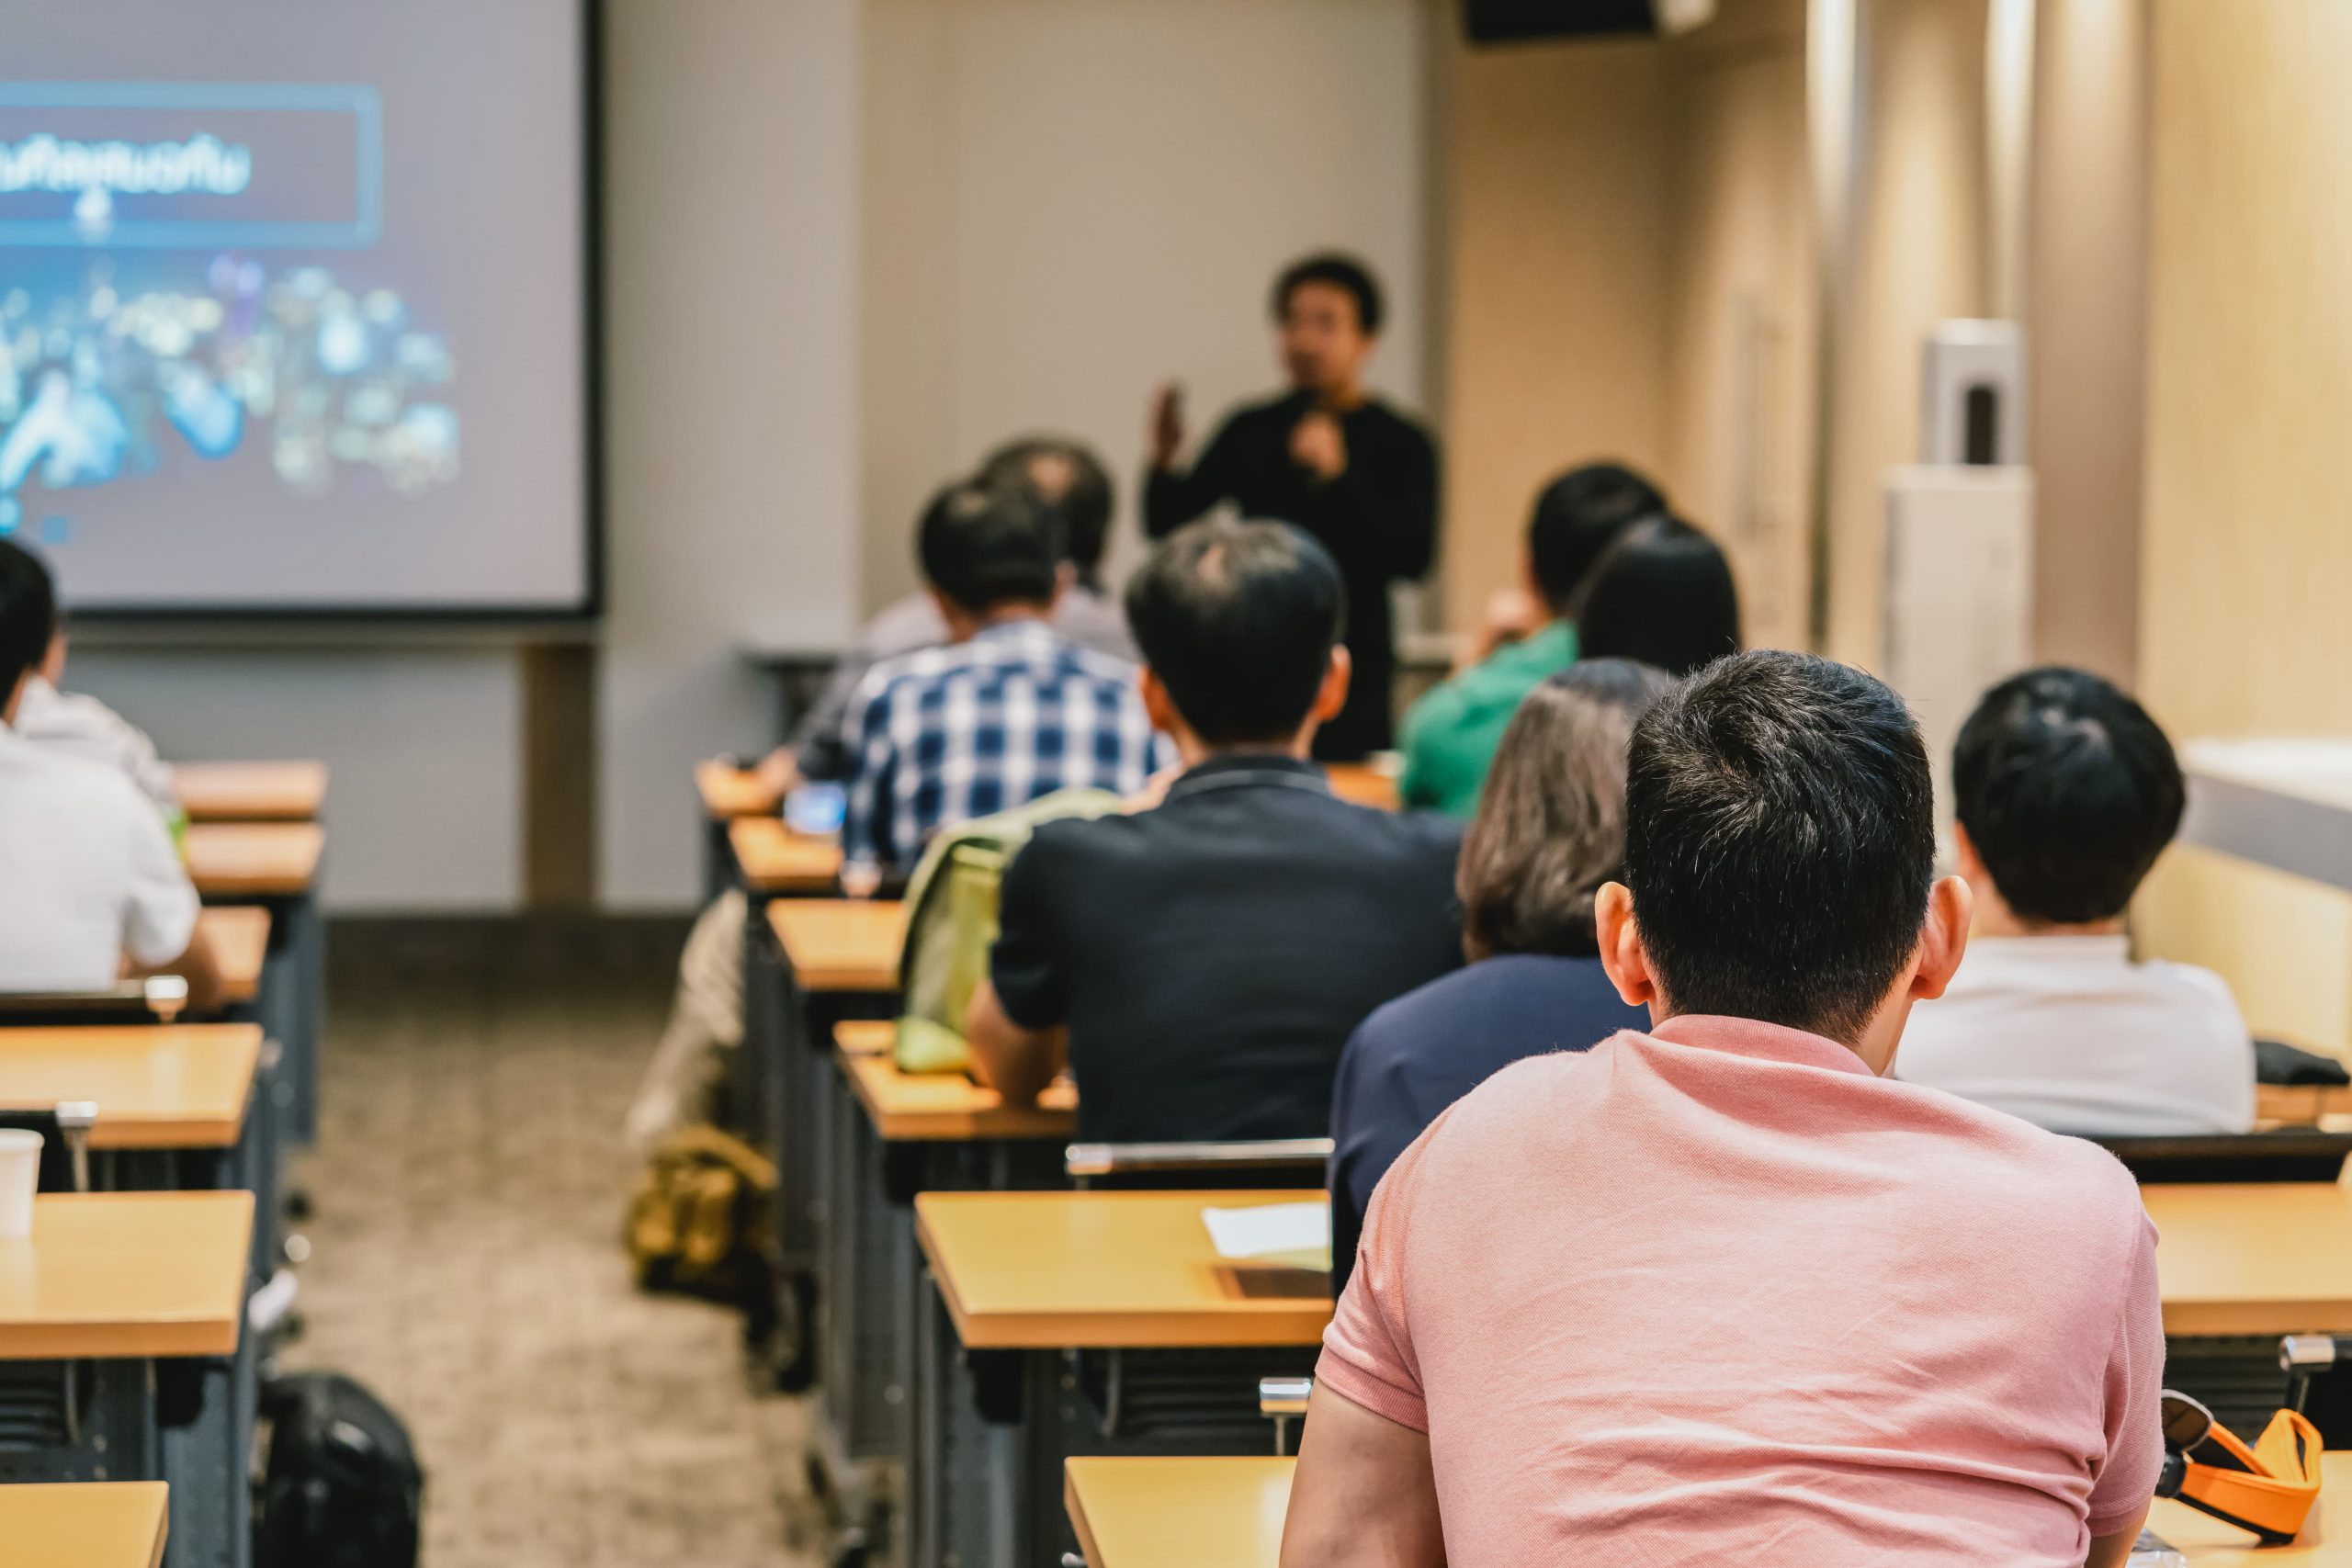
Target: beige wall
[[1066, 201], [2086, 271], [2242, 623], [1918, 256], [1740, 314], [1555, 262]]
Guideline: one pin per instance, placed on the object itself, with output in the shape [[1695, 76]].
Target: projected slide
[[291, 304]]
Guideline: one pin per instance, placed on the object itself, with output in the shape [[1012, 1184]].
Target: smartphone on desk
[[816, 809]]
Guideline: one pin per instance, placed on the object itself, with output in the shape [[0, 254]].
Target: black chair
[[1232, 1165], [2290, 1153], [159, 998]]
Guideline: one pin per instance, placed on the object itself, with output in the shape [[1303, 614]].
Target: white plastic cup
[[19, 1174]]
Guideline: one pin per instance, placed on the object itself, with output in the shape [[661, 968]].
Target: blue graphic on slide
[[140, 313]]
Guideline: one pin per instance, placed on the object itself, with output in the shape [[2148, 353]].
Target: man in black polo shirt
[[1199, 964]]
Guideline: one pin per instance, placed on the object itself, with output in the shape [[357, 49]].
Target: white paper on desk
[[1271, 1232]]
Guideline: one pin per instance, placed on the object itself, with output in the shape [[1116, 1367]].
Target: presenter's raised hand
[[1166, 437], [1319, 445]]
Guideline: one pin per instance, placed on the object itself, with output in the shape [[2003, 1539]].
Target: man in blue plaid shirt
[[1006, 712]]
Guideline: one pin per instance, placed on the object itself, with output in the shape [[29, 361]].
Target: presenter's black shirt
[[1378, 519], [1212, 955]]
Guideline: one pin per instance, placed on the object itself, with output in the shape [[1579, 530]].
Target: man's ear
[[961, 622], [1158, 705], [1622, 957], [1943, 938], [1333, 694], [1065, 579]]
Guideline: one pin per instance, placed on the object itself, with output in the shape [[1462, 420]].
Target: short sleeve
[[1029, 966], [160, 902], [1368, 1350], [2126, 1476]]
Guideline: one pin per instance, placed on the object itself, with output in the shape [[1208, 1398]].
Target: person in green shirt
[[1450, 735]]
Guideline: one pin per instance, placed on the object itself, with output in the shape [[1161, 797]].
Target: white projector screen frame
[[464, 435]]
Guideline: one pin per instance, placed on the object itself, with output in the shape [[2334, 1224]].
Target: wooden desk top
[[99, 1524], [1041, 1271], [1175, 1513], [254, 859], [865, 1036], [251, 791], [731, 792], [157, 1085], [1365, 784], [840, 944], [239, 935], [108, 1275], [2260, 1259], [776, 860], [2209, 1543], [915, 1108], [1171, 1513]]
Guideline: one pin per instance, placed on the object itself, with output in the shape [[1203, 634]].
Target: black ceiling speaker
[[1505, 21]]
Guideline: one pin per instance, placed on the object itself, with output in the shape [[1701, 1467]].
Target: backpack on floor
[[698, 1220], [341, 1487], [951, 923]]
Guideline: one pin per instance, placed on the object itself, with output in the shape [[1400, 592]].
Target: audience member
[[1450, 735], [1550, 830], [1723, 1288], [1066, 476], [1006, 711], [2065, 793], [1329, 457], [1199, 964], [77, 724], [1662, 593], [93, 887]]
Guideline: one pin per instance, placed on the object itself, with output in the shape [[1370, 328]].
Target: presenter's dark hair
[[27, 614], [982, 546], [1341, 272], [1661, 593], [1238, 621], [2068, 790], [1551, 822], [1576, 517], [1084, 503], [1779, 842]]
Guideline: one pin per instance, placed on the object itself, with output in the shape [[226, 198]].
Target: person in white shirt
[[93, 887], [78, 724], [2065, 792]]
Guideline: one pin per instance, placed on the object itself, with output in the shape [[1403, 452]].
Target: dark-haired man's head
[[1327, 310], [1663, 595], [989, 553], [2065, 792], [28, 622], [1780, 856], [1240, 627], [1576, 517], [1069, 477]]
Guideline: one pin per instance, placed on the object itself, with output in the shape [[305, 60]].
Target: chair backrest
[[159, 998], [1194, 1165], [2290, 1153]]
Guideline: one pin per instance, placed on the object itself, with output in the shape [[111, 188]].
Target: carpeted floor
[[467, 1190]]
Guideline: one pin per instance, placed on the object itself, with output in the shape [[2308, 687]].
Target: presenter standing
[[1327, 458]]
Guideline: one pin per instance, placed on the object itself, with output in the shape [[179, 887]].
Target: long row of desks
[[1038, 1276], [980, 1337], [134, 1294]]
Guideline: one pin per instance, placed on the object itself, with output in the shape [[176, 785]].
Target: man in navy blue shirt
[[1199, 964]]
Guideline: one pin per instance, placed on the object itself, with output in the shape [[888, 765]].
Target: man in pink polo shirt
[[1725, 1292]]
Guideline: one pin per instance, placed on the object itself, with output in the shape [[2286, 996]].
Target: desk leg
[[205, 1462], [117, 1437]]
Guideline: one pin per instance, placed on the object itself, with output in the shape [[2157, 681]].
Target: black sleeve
[[1385, 503], [1029, 966], [1170, 498]]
